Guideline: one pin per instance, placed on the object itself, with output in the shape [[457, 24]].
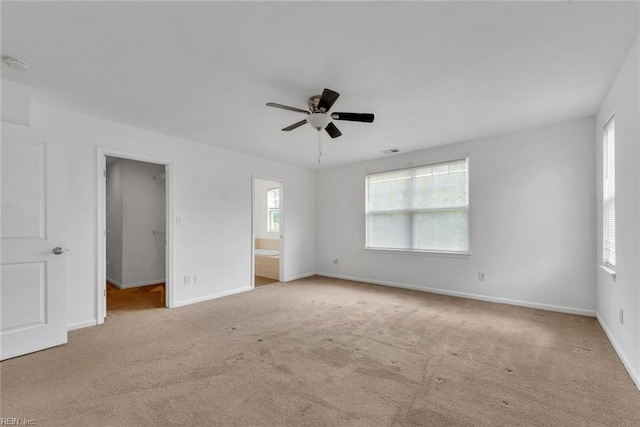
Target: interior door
[[33, 259]]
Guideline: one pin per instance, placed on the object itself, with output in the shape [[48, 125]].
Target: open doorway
[[135, 238], [134, 250], [268, 224]]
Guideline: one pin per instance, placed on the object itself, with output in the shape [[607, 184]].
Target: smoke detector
[[15, 63]]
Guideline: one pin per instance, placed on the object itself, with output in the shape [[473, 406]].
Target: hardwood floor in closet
[[122, 301], [262, 281]]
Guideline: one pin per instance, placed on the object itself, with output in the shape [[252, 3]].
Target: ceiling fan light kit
[[318, 121]]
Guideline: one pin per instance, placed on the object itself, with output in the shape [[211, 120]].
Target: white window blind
[[424, 208], [273, 210], [609, 194]]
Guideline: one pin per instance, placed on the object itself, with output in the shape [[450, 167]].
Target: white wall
[[261, 219], [212, 194], [623, 293], [16, 103], [135, 215], [531, 217], [114, 222], [143, 212]]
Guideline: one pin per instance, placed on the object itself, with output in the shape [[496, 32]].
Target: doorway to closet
[[268, 226], [135, 237]]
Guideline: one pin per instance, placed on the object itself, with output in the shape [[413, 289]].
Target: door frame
[[101, 289], [283, 222]]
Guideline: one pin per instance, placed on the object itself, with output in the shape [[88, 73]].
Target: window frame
[[413, 211]]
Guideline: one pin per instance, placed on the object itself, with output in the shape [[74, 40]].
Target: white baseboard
[[540, 306], [299, 276], [80, 325], [623, 358], [210, 297], [134, 285]]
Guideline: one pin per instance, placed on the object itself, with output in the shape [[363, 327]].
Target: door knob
[[58, 250]]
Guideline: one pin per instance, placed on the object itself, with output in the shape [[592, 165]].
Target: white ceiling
[[433, 73]]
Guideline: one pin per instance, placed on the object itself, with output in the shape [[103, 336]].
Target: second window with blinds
[[273, 210], [609, 194], [423, 209]]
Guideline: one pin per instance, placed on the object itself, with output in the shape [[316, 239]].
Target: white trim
[[102, 152], [134, 285], [446, 254], [540, 306], [623, 358], [422, 165], [101, 253], [210, 297], [299, 276], [80, 325], [253, 232]]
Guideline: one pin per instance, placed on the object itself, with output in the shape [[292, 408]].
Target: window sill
[[609, 270], [419, 252]]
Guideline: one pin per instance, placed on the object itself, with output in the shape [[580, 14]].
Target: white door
[[32, 275]]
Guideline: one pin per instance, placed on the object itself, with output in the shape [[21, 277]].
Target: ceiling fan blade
[[295, 125], [327, 99], [353, 117], [332, 130], [286, 107]]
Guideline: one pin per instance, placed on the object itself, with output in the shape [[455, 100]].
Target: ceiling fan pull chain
[[319, 146]]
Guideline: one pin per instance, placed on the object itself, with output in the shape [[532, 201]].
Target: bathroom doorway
[[268, 231]]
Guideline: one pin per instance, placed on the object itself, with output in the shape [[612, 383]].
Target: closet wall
[[135, 223]]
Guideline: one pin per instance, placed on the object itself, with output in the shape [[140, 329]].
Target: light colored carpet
[[328, 352]]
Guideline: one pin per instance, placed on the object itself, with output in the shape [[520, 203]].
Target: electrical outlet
[[178, 220], [481, 276], [196, 278], [621, 316], [187, 280]]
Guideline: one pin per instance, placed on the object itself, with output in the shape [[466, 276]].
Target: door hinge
[[104, 173], [104, 293]]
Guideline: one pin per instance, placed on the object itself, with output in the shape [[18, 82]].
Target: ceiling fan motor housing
[[313, 103], [318, 119]]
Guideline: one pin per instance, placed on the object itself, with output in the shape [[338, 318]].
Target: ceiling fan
[[318, 115]]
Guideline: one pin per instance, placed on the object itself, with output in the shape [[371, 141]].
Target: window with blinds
[[609, 194], [273, 210], [423, 208]]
